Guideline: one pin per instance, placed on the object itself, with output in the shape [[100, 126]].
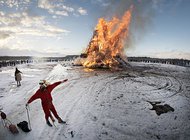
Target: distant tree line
[[15, 60], [180, 62]]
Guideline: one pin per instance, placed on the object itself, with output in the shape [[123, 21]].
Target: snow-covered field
[[100, 104]]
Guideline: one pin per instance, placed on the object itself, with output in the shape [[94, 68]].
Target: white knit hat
[[44, 82]]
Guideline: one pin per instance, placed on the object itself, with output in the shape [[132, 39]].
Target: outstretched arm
[[34, 97], [52, 86]]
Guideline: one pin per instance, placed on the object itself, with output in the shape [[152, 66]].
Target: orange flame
[[108, 41]]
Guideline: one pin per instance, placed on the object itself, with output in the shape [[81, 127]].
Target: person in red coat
[[44, 93]]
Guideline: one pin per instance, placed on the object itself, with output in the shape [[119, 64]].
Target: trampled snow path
[[101, 104]]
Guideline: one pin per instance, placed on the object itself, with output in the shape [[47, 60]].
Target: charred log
[[83, 55], [122, 62]]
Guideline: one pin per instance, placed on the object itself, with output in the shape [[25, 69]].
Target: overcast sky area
[[159, 28]]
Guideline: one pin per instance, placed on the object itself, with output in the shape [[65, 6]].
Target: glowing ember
[[107, 42]]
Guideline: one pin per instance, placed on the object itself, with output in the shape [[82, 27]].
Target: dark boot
[[48, 123], [60, 120]]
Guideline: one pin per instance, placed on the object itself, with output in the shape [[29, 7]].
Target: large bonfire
[[106, 47]]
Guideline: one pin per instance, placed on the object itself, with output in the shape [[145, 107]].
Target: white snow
[[100, 104]]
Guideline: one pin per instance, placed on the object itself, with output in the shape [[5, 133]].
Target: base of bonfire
[[98, 66], [120, 65], [122, 62]]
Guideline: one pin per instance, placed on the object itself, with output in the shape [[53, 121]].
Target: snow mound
[[58, 73]]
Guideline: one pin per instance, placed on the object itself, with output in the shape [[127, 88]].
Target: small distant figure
[[18, 77]]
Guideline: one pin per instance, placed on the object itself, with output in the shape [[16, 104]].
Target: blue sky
[[169, 34], [159, 28]]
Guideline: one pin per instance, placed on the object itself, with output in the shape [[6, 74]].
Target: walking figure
[[18, 77]]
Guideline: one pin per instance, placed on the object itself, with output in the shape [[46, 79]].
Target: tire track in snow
[[155, 84]]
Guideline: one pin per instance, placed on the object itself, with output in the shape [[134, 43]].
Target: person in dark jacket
[[44, 93], [18, 77]]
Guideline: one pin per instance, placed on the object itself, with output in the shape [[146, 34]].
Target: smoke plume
[[142, 15]]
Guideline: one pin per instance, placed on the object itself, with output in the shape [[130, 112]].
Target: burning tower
[[106, 47]]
